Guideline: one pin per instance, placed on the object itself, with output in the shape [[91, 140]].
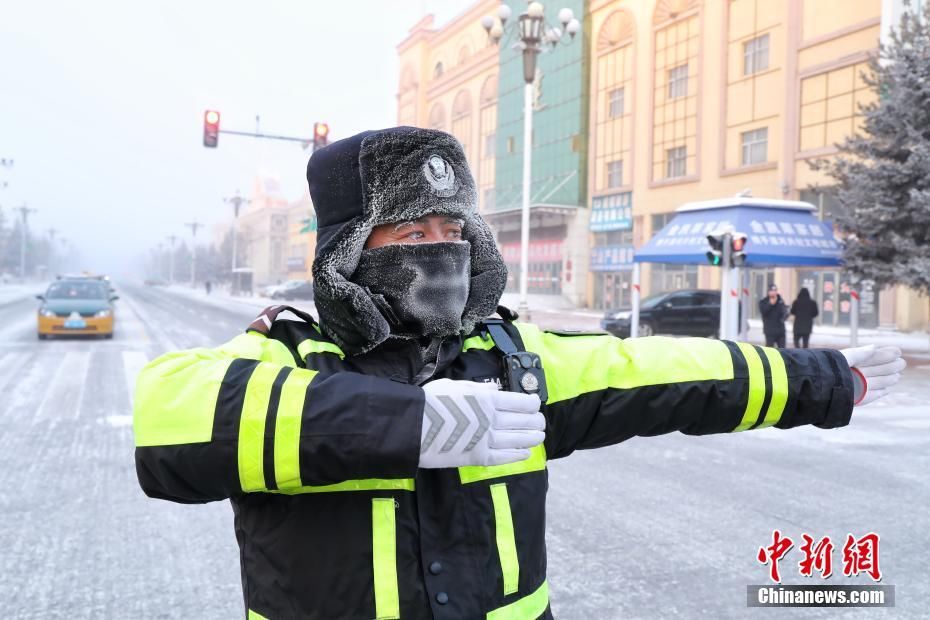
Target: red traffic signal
[[320, 135], [738, 242], [211, 128]]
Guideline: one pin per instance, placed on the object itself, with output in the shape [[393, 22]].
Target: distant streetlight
[[51, 248], [24, 211], [236, 201], [193, 226], [532, 35], [171, 239]]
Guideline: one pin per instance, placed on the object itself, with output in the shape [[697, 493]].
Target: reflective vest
[[318, 454]]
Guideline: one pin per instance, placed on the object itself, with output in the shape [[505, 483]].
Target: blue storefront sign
[[613, 212], [612, 258]]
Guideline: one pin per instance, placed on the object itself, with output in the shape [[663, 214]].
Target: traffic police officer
[[390, 460]]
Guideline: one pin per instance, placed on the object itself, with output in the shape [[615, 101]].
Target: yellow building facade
[[688, 100], [695, 100], [448, 81]]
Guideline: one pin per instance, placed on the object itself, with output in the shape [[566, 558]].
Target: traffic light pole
[[264, 135], [725, 281]]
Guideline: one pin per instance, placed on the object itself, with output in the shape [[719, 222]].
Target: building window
[[615, 105], [511, 145], [437, 70], [755, 146], [676, 162], [490, 145], [756, 55], [614, 174], [678, 82]]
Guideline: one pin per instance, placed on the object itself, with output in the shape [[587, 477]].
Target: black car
[[693, 312], [301, 291]]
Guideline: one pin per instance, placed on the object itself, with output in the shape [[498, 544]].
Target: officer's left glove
[[471, 423], [875, 370]]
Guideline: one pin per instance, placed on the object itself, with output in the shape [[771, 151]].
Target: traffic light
[[715, 255], [211, 128], [737, 247], [320, 135]]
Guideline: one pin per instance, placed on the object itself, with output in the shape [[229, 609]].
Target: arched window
[[676, 45], [437, 70], [617, 29], [461, 120], [464, 54], [613, 128], [437, 117], [667, 10], [489, 90]]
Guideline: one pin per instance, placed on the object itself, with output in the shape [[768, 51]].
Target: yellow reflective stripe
[[756, 386], [310, 345], [175, 398], [373, 484], [477, 342], [252, 427], [577, 365], [287, 428], [529, 607], [506, 543], [257, 346], [384, 558], [254, 615], [535, 462], [779, 388]]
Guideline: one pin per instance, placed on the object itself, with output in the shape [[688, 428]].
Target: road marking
[[65, 391], [119, 421], [153, 329], [133, 361]]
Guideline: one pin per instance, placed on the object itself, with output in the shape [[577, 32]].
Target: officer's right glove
[[875, 371], [470, 423]]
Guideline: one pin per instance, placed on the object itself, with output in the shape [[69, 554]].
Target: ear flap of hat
[[488, 273], [352, 320]]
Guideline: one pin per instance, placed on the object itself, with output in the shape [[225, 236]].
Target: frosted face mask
[[420, 288]]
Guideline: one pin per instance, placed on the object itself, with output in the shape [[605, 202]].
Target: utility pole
[[5, 163], [236, 201], [172, 239], [193, 226], [24, 211], [51, 249]]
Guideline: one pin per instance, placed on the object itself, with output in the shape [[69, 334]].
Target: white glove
[[470, 423], [875, 370]]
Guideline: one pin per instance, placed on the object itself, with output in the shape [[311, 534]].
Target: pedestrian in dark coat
[[804, 310], [774, 312]]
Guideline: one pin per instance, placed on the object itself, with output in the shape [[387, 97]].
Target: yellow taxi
[[77, 307]]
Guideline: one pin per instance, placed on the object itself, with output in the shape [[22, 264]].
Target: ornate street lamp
[[531, 34]]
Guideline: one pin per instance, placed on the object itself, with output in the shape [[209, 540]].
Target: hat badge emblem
[[440, 175]]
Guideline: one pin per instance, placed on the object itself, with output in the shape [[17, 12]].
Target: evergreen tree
[[882, 174]]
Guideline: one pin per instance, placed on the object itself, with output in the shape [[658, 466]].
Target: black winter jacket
[[804, 311], [318, 453], [773, 316]]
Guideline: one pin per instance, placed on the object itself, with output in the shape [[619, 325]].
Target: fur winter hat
[[380, 177]]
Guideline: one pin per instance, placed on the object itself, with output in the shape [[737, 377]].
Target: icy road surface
[[655, 528]]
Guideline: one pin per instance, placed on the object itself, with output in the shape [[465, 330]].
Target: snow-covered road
[[657, 527]]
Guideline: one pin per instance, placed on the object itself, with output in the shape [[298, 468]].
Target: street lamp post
[[532, 34], [51, 249], [172, 239], [236, 201], [24, 211], [193, 226]]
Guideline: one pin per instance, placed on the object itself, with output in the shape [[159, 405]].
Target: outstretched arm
[[603, 390], [212, 423]]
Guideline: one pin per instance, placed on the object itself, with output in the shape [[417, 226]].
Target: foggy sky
[[101, 105]]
